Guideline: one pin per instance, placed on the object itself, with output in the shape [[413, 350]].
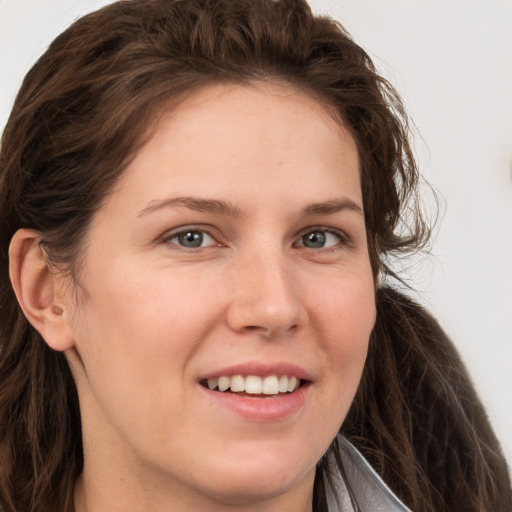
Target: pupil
[[191, 239], [315, 240]]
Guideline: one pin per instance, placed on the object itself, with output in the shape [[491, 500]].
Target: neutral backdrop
[[452, 62]]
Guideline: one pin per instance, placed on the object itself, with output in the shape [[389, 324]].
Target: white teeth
[[270, 385], [237, 383], [292, 384], [255, 385], [224, 383]]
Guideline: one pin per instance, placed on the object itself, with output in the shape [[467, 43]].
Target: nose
[[266, 298]]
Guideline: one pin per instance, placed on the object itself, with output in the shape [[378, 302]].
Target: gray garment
[[369, 490]]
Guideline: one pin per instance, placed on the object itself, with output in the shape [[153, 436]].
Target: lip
[[260, 410], [257, 409]]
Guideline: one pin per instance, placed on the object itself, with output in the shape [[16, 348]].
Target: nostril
[[267, 332], [256, 329], [264, 315]]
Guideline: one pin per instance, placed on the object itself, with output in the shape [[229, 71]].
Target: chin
[[259, 476], [249, 487]]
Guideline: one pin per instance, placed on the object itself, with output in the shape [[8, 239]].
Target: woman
[[198, 200]]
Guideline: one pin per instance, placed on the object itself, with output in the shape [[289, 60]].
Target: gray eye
[[192, 239], [319, 239], [314, 240]]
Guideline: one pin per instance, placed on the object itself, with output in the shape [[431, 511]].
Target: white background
[[452, 62]]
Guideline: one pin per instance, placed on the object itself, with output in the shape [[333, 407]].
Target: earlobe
[[35, 286]]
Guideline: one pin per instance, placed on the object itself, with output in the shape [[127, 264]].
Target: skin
[[156, 317]]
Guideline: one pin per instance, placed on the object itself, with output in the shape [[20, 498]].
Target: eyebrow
[[215, 206], [333, 206], [220, 207]]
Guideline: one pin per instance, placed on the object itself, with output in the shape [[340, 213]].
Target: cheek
[[135, 338], [139, 323], [348, 316], [347, 310]]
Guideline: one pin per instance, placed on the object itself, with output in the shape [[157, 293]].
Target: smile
[[254, 384]]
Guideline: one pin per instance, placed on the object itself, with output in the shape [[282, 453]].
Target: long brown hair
[[418, 420], [83, 111]]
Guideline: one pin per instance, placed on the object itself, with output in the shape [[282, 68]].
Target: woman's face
[[232, 252]]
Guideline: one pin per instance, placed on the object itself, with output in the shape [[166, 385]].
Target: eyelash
[[344, 239]]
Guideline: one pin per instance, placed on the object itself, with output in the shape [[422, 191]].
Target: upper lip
[[261, 369]]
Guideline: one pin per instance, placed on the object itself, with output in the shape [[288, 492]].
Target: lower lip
[[260, 409]]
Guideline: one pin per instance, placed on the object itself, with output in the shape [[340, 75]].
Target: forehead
[[243, 104], [231, 139]]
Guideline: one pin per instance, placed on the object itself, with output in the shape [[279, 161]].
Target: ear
[[39, 290]]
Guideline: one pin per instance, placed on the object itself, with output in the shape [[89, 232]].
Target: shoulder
[[354, 485]]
